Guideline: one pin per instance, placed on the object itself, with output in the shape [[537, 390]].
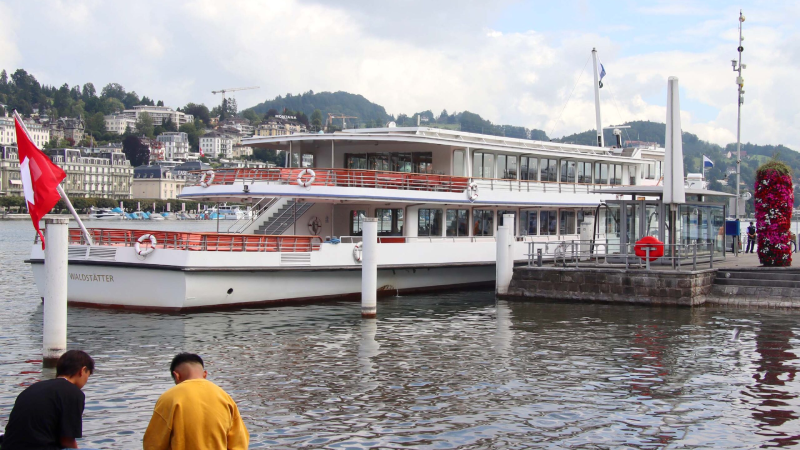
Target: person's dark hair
[[71, 362], [751, 223], [181, 358]]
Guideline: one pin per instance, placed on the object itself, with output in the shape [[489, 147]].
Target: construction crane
[[223, 91], [339, 116]]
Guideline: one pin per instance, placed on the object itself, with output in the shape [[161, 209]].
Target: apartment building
[[10, 181], [159, 114], [102, 172], [118, 123], [216, 145], [175, 145], [279, 127], [157, 182]]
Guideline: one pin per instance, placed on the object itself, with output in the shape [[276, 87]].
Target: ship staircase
[[272, 216]]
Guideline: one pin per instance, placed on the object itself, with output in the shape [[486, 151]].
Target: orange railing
[[212, 242], [343, 178]]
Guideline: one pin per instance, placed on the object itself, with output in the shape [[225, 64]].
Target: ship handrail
[[199, 241]]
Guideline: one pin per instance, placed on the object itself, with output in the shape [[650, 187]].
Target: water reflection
[[774, 373]]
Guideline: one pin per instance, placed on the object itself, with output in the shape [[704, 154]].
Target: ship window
[[567, 225], [483, 165], [401, 162], [584, 172], [500, 219], [379, 161], [528, 223], [357, 221], [390, 222], [601, 173], [507, 167], [308, 160], [355, 160], [483, 222], [568, 171], [615, 174], [547, 223], [458, 163], [457, 222], [423, 162], [549, 169], [430, 222], [527, 168]]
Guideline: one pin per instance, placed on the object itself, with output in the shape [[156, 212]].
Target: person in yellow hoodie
[[196, 414]]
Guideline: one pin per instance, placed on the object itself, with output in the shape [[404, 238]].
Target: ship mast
[[597, 98]]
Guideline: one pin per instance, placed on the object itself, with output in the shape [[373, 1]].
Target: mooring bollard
[[539, 257], [504, 256], [54, 329], [369, 268]]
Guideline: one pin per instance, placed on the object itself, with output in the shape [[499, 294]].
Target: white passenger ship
[[439, 196]]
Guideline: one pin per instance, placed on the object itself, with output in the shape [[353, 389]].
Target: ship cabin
[[425, 184]]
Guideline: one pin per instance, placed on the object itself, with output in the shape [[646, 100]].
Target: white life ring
[[357, 253], [203, 181], [138, 245], [472, 191], [314, 225], [308, 182]]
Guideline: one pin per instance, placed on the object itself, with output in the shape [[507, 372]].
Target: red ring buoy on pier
[[656, 248]]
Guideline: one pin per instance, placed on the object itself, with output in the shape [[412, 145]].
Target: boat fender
[[138, 245], [210, 180], [357, 253], [307, 182], [314, 225], [472, 191]]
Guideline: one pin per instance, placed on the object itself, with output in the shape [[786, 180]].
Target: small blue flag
[[602, 71], [707, 162]]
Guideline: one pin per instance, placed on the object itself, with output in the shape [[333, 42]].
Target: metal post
[[740, 100], [711, 256], [54, 330], [597, 99], [369, 268], [504, 258], [647, 257], [217, 217], [539, 257], [694, 257]]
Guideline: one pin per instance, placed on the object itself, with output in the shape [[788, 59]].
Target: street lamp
[[740, 83]]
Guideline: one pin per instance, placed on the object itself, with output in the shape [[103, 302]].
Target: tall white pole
[[369, 268], [54, 329], [597, 99], [505, 258], [740, 83], [75, 215]]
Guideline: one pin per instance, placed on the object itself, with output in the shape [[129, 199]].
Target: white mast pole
[[740, 83], [597, 99]]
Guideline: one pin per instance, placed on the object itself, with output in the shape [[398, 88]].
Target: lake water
[[456, 370]]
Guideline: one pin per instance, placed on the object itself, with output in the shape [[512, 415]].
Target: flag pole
[[75, 215]]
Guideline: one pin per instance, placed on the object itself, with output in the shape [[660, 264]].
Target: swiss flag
[[40, 177]]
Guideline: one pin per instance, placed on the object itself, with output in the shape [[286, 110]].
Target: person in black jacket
[[48, 414], [751, 238]]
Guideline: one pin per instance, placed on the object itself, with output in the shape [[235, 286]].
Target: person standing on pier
[[196, 414], [751, 238], [48, 414]]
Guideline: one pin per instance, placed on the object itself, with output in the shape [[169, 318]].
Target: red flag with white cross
[[40, 177]]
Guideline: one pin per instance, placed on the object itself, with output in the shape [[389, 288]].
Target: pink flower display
[[774, 201]]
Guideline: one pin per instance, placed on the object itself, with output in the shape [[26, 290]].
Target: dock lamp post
[[737, 67]]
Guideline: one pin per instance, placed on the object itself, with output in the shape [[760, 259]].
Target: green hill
[[328, 102]]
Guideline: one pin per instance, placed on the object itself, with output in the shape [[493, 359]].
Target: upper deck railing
[[387, 180], [220, 242]]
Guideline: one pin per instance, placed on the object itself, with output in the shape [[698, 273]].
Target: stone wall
[[755, 296], [658, 287]]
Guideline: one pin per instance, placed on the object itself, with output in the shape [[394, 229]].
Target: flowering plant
[[774, 201]]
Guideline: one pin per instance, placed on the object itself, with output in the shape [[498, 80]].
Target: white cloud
[[411, 56]]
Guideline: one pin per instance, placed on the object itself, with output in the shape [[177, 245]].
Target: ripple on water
[[445, 371]]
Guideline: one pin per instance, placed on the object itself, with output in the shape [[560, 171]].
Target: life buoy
[[472, 191], [656, 248], [307, 182], [314, 225], [203, 181], [138, 245], [357, 253]]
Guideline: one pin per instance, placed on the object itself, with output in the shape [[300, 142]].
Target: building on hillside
[[67, 128], [159, 114], [242, 151], [176, 145], [10, 181], [8, 133], [240, 124], [279, 127], [40, 134], [216, 145], [119, 123], [157, 182], [155, 147], [232, 132], [91, 173]]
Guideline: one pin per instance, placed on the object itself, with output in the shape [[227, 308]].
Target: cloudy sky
[[513, 62]]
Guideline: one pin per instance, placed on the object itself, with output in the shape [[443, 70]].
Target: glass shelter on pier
[[625, 221]]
